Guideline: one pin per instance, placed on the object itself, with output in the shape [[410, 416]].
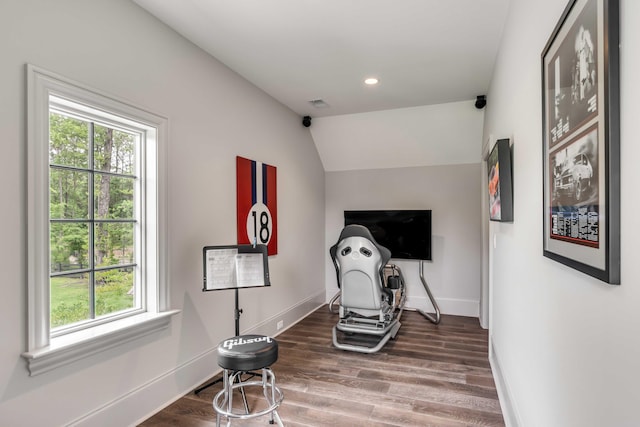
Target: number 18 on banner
[[257, 209]]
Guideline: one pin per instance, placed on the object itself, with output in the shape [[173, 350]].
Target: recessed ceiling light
[[371, 81]]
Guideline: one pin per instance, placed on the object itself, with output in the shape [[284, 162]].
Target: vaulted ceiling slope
[[423, 52]]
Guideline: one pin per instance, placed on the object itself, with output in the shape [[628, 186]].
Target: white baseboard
[[507, 404], [456, 307], [139, 404], [289, 317]]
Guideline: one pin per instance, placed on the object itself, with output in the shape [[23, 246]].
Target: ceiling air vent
[[318, 103]]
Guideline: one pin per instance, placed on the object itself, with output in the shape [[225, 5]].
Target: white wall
[[214, 115], [425, 157], [564, 345], [441, 134], [453, 194]]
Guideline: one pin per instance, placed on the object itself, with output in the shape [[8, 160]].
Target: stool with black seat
[[246, 354]]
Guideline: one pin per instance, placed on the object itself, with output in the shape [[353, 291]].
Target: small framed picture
[[500, 182]]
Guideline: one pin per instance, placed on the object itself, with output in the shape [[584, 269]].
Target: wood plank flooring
[[430, 375]]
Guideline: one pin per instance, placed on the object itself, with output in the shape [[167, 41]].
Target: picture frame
[[581, 140], [257, 203], [500, 183]]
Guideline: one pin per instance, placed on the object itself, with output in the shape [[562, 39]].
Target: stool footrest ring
[[270, 391], [274, 405]]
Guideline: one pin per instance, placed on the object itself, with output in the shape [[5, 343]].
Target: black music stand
[[234, 267]]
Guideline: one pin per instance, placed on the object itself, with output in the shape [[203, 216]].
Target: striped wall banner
[[257, 207]]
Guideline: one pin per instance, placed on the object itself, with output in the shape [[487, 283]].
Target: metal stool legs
[[223, 401]]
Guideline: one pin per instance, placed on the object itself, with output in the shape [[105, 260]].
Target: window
[[94, 217], [97, 218]]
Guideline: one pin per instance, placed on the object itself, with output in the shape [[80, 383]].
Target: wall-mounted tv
[[406, 233], [500, 182]]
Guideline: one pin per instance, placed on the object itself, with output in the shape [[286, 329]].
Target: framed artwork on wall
[[257, 204], [500, 182], [581, 140]]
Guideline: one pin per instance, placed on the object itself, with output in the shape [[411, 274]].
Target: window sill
[[75, 346]]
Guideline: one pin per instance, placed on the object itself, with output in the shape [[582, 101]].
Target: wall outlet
[[280, 324]]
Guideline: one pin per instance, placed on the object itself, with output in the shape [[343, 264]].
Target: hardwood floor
[[428, 376]]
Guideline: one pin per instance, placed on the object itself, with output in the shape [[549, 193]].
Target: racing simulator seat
[[372, 292]]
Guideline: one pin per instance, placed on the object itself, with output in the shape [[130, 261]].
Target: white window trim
[[45, 353]]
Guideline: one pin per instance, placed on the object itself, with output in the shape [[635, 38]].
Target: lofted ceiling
[[423, 52]]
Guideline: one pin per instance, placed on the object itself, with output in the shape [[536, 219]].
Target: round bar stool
[[244, 354]]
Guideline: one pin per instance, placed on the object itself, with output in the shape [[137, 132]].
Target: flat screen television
[[235, 266], [406, 233]]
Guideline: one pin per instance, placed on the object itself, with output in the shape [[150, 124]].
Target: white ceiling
[[424, 52]]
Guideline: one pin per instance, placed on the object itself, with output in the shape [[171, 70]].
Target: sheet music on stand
[[235, 266]]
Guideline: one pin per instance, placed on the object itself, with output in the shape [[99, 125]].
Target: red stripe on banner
[[244, 192], [272, 203]]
